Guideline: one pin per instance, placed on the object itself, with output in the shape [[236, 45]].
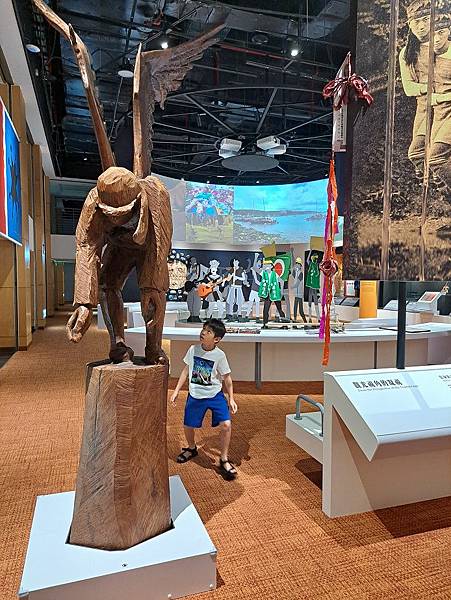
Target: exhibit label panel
[[396, 402]]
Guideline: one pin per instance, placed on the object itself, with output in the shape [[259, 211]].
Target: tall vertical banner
[[398, 225], [10, 192], [340, 116]]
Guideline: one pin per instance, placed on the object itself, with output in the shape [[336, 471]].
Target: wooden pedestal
[[122, 491]]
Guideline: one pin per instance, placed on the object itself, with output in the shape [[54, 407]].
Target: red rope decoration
[[329, 264], [347, 89]]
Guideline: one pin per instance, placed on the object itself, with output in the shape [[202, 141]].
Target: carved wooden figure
[[125, 223]]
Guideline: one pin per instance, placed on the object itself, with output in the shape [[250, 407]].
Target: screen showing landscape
[[247, 214]]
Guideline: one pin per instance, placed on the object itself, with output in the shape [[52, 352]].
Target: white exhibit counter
[[133, 316], [386, 438], [296, 355]]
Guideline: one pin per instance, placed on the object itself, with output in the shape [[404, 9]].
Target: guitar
[[205, 289]]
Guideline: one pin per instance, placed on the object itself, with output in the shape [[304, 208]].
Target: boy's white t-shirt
[[206, 370]]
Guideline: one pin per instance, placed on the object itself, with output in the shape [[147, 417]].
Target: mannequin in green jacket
[[270, 291], [312, 283]]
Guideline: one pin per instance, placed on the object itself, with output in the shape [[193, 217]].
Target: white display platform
[[387, 438], [306, 433], [177, 563], [296, 355]]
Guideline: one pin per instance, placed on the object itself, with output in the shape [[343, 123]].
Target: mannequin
[[256, 278], [270, 291], [296, 281], [235, 294], [215, 299], [286, 297], [313, 284], [194, 275]]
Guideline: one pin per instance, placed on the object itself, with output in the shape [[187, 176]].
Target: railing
[[312, 402], [64, 220]]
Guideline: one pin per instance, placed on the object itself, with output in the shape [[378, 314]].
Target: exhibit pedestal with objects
[[179, 562], [386, 439], [295, 355]]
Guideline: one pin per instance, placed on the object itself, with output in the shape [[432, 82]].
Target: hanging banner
[[282, 265], [398, 224], [340, 116]]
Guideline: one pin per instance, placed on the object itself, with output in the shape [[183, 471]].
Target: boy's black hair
[[217, 326]]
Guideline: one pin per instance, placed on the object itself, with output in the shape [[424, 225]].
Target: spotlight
[[85, 158], [294, 51], [208, 181], [32, 48], [164, 44], [258, 181]]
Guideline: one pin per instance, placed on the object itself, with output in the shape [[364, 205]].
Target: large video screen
[[10, 193], [247, 214]]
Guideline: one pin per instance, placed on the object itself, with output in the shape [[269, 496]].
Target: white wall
[[63, 247]]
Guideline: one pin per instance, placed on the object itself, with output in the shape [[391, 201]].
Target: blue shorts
[[195, 410]]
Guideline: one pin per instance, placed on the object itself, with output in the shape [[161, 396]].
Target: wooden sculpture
[[122, 492]]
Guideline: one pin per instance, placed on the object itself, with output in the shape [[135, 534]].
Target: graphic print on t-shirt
[[202, 369]]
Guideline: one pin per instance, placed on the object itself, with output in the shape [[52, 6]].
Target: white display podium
[[179, 562], [387, 438], [133, 316], [296, 355]]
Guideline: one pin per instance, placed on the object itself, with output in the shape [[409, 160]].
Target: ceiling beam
[[265, 112], [304, 124], [211, 115], [302, 157], [168, 157], [192, 131], [205, 164]]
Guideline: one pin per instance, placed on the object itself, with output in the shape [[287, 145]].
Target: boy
[[207, 367]]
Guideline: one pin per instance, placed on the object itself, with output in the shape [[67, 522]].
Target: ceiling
[[245, 87]]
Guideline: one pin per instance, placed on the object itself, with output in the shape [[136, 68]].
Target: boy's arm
[[228, 384], [183, 377]]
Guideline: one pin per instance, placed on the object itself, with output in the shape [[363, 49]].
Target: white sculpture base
[[177, 563]]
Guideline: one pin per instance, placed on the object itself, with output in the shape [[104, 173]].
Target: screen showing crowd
[[247, 214]]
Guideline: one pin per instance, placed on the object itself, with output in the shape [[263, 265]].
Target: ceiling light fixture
[[33, 48], [294, 51], [125, 73]]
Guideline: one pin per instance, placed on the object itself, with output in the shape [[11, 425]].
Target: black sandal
[[228, 474], [187, 454]]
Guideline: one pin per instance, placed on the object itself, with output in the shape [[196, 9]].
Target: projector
[[227, 153], [230, 145], [267, 143], [280, 149]]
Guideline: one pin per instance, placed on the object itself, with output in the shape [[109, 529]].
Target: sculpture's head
[[117, 187]]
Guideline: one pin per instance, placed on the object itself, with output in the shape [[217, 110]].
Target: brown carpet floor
[[273, 540]]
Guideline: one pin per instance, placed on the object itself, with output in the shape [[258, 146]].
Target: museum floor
[[273, 540]]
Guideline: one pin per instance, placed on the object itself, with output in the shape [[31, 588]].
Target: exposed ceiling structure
[[263, 78]]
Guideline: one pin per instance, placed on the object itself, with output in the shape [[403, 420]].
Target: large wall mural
[[398, 221]]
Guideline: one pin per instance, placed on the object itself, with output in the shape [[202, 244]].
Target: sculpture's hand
[[78, 323]]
